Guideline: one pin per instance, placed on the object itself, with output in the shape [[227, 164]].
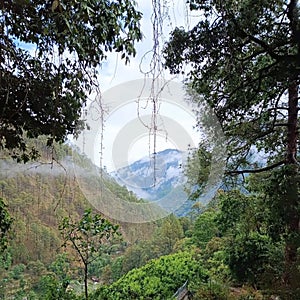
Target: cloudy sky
[[114, 72]]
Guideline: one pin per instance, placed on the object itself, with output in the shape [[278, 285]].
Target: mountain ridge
[[158, 177]]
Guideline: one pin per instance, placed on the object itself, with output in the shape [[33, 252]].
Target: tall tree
[[88, 237], [245, 62], [49, 54]]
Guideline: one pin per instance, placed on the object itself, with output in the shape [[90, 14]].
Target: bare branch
[[268, 168]]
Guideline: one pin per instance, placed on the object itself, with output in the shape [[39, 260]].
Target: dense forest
[[225, 250], [241, 62]]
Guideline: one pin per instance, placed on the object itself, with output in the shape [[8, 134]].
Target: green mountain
[[39, 194]]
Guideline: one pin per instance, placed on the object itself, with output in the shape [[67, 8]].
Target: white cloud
[[176, 14], [114, 71], [173, 172]]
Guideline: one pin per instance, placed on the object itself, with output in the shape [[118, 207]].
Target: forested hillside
[[225, 250], [38, 196], [69, 231]]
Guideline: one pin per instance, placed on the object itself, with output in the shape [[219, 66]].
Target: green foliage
[[137, 255], [5, 224], [37, 197], [248, 54], [5, 260], [88, 237], [251, 258], [17, 271], [197, 171], [88, 234], [117, 268], [250, 252], [50, 287], [214, 260], [279, 191], [205, 228], [244, 58], [61, 268], [96, 267], [166, 236], [163, 241], [236, 230], [35, 269], [121, 191], [211, 291], [239, 213], [277, 188], [158, 279], [50, 53]]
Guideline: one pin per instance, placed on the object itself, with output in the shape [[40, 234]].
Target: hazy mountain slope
[[39, 194], [162, 183]]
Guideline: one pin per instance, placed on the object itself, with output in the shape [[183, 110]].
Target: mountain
[[39, 194], [158, 178]]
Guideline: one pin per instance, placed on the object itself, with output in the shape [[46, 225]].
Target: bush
[[158, 279], [17, 271]]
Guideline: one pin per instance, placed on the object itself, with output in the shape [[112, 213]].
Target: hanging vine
[[160, 15]]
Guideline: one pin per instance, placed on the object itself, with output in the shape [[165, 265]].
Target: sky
[[114, 72], [125, 138]]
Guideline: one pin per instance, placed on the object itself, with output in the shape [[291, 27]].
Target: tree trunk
[[291, 275], [86, 281], [292, 134]]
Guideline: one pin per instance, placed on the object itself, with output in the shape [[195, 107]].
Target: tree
[[166, 236], [50, 287], [61, 268], [5, 223], [204, 228], [88, 236], [251, 250], [49, 54], [54, 284], [245, 58]]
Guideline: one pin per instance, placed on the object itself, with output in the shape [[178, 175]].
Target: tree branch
[[281, 124], [236, 172]]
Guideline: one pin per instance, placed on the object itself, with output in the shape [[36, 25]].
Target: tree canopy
[[245, 58], [245, 63], [87, 237], [49, 54]]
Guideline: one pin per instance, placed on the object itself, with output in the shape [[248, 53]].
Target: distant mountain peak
[[162, 181], [168, 151]]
